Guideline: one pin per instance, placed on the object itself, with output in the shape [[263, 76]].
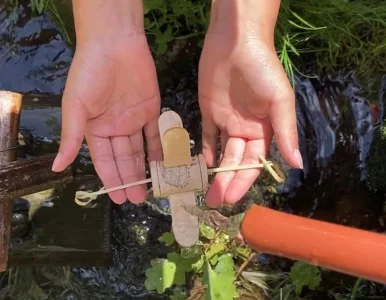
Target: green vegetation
[[341, 34], [212, 259], [334, 34], [218, 268], [170, 20]]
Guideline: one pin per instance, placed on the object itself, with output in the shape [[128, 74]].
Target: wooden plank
[[65, 234], [25, 177], [41, 101], [5, 231], [10, 106]]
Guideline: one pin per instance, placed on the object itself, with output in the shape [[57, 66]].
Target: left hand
[[245, 95]]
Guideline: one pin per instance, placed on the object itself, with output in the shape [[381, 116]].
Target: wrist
[[107, 19], [245, 19]]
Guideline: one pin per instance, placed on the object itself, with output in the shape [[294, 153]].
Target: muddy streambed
[[337, 120]]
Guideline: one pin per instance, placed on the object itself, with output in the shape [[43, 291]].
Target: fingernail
[[299, 159], [56, 163]]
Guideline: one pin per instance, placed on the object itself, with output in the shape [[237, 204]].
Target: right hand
[[111, 95]]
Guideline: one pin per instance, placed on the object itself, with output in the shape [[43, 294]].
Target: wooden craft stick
[[176, 175], [185, 225], [176, 148], [168, 119]]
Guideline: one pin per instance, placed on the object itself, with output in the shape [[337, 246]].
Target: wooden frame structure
[[81, 240]]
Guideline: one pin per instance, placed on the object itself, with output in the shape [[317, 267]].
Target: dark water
[[337, 117], [34, 57], [336, 121]]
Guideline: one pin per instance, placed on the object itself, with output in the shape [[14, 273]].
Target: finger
[[244, 179], [209, 141], [153, 140], [103, 158], [283, 118], [129, 158], [74, 119], [233, 155], [224, 139]]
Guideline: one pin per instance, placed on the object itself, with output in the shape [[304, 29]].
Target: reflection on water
[[43, 122], [34, 57], [336, 123]]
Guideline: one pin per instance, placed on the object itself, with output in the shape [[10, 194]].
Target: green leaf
[[222, 238], [305, 275], [162, 48], [191, 252], [168, 238], [182, 7], [198, 264], [146, 22], [243, 252], [166, 272], [214, 249], [149, 5], [162, 39], [39, 5], [214, 260], [206, 231], [220, 281], [182, 266], [160, 276]]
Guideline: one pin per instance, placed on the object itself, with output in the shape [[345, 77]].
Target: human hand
[[245, 95], [111, 95]]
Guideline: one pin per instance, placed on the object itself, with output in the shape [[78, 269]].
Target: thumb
[[74, 119], [283, 118]]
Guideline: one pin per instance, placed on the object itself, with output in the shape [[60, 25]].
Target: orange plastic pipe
[[347, 250]]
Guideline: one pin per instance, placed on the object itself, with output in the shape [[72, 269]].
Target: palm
[[120, 94], [237, 87], [115, 88]]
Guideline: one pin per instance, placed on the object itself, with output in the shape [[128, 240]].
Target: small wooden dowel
[[80, 195], [104, 191], [235, 168], [85, 194]]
